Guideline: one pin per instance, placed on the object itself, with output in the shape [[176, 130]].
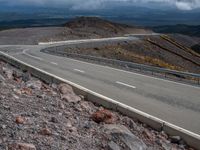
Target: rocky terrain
[[35, 115], [172, 51], [78, 28], [102, 28]]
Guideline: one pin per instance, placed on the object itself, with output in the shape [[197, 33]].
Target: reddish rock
[[21, 146], [65, 89], [26, 91], [20, 120], [104, 116], [17, 80], [45, 131]]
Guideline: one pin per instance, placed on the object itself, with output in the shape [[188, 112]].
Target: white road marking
[[79, 70], [54, 63], [83, 41], [169, 81], [25, 53], [121, 83], [165, 80], [110, 100]]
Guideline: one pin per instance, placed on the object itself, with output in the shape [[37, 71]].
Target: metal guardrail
[[152, 69]]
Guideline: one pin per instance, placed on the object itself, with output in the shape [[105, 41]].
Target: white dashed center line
[[124, 84], [54, 63], [81, 71]]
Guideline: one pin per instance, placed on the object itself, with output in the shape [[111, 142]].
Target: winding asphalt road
[[170, 101]]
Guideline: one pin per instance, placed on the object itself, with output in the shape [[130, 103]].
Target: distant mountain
[[100, 26], [96, 22], [182, 29]]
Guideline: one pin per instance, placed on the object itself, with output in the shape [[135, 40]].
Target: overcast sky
[[96, 4]]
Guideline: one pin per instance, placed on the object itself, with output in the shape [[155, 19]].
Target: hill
[[78, 28], [102, 27]]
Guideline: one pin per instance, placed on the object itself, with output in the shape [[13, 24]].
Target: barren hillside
[[101, 27], [166, 51], [78, 28]]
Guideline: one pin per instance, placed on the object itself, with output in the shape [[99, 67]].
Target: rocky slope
[[79, 28], [166, 51], [34, 115], [101, 27]]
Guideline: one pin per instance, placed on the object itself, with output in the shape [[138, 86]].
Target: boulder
[[86, 106], [45, 131], [105, 116], [71, 98], [122, 134], [34, 84], [26, 91], [113, 146], [19, 120], [65, 89], [8, 73]]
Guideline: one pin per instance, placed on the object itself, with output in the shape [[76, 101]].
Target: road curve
[[170, 101]]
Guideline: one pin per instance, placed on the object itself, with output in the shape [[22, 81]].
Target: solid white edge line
[[197, 87], [133, 73], [104, 97], [84, 40], [121, 83]]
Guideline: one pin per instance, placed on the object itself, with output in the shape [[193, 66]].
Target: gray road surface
[[173, 102]]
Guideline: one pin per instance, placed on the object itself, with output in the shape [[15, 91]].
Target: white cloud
[[188, 4], [95, 4], [183, 6]]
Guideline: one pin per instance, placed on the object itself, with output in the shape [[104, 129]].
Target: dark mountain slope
[[182, 29]]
